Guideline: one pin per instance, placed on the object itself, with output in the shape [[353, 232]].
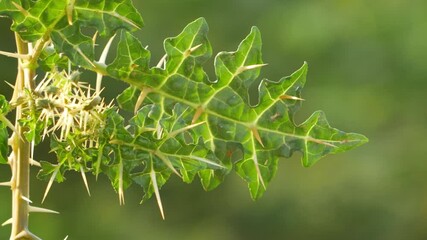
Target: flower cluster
[[67, 105]]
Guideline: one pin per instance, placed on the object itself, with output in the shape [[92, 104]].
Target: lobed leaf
[[260, 123]]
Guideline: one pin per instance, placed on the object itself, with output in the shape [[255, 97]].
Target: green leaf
[[132, 59], [32, 19], [4, 148], [4, 135], [49, 59], [260, 124], [63, 21], [107, 16]]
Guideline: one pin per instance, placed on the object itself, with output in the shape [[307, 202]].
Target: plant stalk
[[20, 164]]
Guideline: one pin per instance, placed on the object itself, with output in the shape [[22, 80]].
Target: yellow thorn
[[200, 159], [250, 67], [198, 113], [257, 136], [35, 163], [26, 199], [255, 159], [156, 192], [142, 95], [95, 36], [287, 97], [162, 61], [168, 163], [85, 180], [6, 184], [15, 55], [70, 8], [10, 84], [49, 185], [121, 192], [33, 209], [102, 60], [21, 9], [195, 47], [7, 122], [7, 222], [174, 133], [321, 142], [25, 234], [121, 197]]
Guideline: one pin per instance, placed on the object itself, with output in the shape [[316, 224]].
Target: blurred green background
[[367, 72]]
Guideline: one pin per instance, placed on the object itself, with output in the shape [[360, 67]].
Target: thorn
[[10, 159], [156, 192], [102, 60], [142, 95], [250, 67], [198, 113], [121, 197], [70, 8], [195, 47], [162, 61], [10, 84], [66, 237], [35, 163], [25, 234], [106, 50], [121, 192], [191, 50], [286, 97], [7, 222], [255, 133], [159, 131], [95, 36], [85, 180], [174, 133], [167, 162], [7, 122], [321, 142], [26, 199], [15, 55], [41, 210], [86, 58], [32, 150], [21, 9], [6, 184], [49, 185], [200, 159], [258, 171]]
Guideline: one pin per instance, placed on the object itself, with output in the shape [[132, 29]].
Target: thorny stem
[[20, 163]]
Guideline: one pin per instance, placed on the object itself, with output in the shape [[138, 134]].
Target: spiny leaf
[[107, 16], [35, 20], [32, 19], [4, 135], [261, 122]]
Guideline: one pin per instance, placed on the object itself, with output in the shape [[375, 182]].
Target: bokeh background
[[368, 72]]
